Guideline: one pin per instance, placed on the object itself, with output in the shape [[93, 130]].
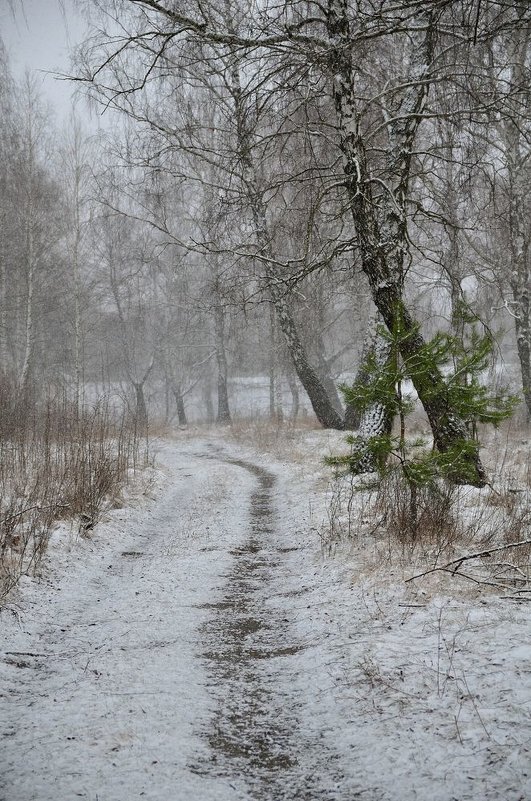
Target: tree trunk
[[141, 415], [167, 399], [321, 404], [377, 420], [295, 397], [517, 155], [3, 303], [324, 374], [26, 375], [181, 410], [207, 399], [520, 291], [77, 303], [451, 261], [381, 224], [273, 378], [352, 414], [223, 415]]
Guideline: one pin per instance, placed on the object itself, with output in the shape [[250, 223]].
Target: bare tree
[[377, 122], [37, 195], [131, 290], [76, 188]]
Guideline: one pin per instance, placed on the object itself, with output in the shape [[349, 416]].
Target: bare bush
[[410, 514], [56, 462], [482, 536]]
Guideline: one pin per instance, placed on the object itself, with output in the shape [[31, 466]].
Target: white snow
[[130, 669]]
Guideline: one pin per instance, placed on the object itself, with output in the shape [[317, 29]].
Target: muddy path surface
[[198, 647], [256, 732], [162, 659]]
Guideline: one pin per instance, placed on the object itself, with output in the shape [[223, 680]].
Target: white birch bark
[[377, 419], [519, 177], [26, 374], [381, 223]]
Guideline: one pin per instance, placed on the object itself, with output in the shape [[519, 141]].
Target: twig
[[25, 653], [517, 598], [475, 579], [413, 606], [31, 508], [476, 709], [455, 564]]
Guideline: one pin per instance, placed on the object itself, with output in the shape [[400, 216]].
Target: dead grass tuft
[[56, 463], [427, 515], [443, 523], [278, 437]]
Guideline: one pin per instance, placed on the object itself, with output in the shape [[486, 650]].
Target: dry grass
[[56, 464], [433, 520], [278, 437], [448, 522]]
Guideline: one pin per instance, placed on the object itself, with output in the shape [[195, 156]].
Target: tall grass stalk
[[56, 462]]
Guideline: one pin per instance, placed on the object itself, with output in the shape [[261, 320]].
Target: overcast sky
[[38, 36]]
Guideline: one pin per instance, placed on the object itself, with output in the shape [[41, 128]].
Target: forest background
[[286, 199]]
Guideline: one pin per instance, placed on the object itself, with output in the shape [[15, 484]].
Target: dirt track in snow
[[199, 648], [255, 732], [157, 667]]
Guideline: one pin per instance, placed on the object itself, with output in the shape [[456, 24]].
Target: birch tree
[[513, 126], [75, 175], [36, 197], [377, 116]]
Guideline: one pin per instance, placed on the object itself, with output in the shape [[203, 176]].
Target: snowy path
[[251, 649], [156, 668], [198, 648]]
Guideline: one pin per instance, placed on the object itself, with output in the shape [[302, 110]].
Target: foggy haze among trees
[[288, 189]]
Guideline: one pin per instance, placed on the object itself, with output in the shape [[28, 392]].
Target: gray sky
[[38, 37]]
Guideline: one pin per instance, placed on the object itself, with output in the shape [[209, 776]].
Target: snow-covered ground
[[201, 646]]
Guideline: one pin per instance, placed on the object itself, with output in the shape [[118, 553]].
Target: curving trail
[[157, 662], [199, 648], [256, 731]]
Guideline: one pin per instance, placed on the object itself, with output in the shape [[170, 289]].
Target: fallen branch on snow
[[453, 566]]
